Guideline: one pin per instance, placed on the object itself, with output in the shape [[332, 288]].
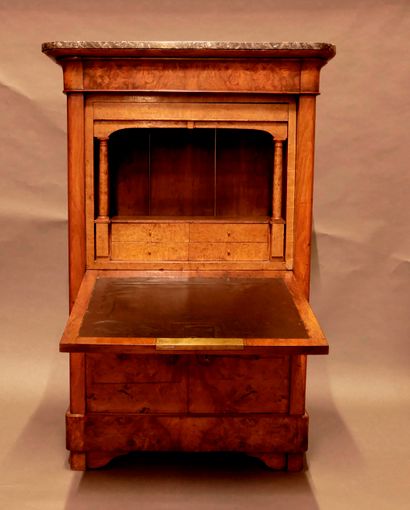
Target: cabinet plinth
[[190, 202]]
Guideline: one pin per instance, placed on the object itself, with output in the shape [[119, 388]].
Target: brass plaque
[[194, 344]]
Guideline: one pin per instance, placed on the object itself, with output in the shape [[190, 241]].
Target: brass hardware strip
[[194, 344]]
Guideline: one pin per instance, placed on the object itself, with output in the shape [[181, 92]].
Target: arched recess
[[178, 171]]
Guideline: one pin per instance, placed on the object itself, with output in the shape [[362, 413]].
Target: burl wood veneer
[[190, 173]]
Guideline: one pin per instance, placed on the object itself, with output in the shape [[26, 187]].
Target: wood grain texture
[[228, 251], [136, 384], [141, 398], [103, 196], [182, 172], [76, 193], [78, 461], [244, 162], [149, 251], [280, 76], [125, 368], [77, 383], [228, 232], [298, 365], [257, 266], [277, 239], [290, 186], [102, 243], [164, 232], [304, 190], [238, 384], [188, 111], [251, 433]]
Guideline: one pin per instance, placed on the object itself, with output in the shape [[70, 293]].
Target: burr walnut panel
[[159, 384], [249, 433], [176, 75], [234, 384], [127, 368]]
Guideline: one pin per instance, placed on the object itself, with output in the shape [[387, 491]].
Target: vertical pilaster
[[103, 220], [305, 142], [73, 84], [304, 190], [277, 222]]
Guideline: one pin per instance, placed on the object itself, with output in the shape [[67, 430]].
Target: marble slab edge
[[61, 49]]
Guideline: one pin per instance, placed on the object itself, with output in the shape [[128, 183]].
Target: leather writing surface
[[196, 307]]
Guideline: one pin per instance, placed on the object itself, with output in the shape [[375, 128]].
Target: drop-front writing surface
[[190, 171]]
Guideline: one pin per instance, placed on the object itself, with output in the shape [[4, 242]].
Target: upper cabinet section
[[279, 68]]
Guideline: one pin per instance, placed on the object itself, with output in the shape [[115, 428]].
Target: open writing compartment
[[131, 312]]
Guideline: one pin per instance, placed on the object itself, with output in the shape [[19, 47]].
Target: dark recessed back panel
[[190, 172]]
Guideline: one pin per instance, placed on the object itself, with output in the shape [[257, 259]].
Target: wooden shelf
[[190, 219]]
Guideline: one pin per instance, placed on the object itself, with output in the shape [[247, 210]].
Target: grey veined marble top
[[62, 49]]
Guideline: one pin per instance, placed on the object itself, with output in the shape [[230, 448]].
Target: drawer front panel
[[267, 112], [144, 398], [229, 232], [190, 242], [149, 251], [222, 384], [129, 368], [228, 251], [136, 384], [150, 232]]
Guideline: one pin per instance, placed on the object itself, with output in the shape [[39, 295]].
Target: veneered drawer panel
[[229, 232], [150, 232], [129, 368], [228, 251], [136, 384], [267, 112], [149, 251], [144, 398], [230, 384], [265, 75]]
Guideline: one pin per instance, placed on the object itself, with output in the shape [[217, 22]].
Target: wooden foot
[[276, 461], [295, 462], [281, 461], [100, 459], [77, 461]]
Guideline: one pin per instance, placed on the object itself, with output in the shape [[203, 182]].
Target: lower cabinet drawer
[[136, 384], [239, 384], [192, 384]]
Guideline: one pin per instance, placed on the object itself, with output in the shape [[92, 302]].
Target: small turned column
[[103, 220], [277, 222]]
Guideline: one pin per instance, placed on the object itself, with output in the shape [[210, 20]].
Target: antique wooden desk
[[190, 169]]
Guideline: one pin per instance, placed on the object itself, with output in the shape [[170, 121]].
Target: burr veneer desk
[[190, 168]]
